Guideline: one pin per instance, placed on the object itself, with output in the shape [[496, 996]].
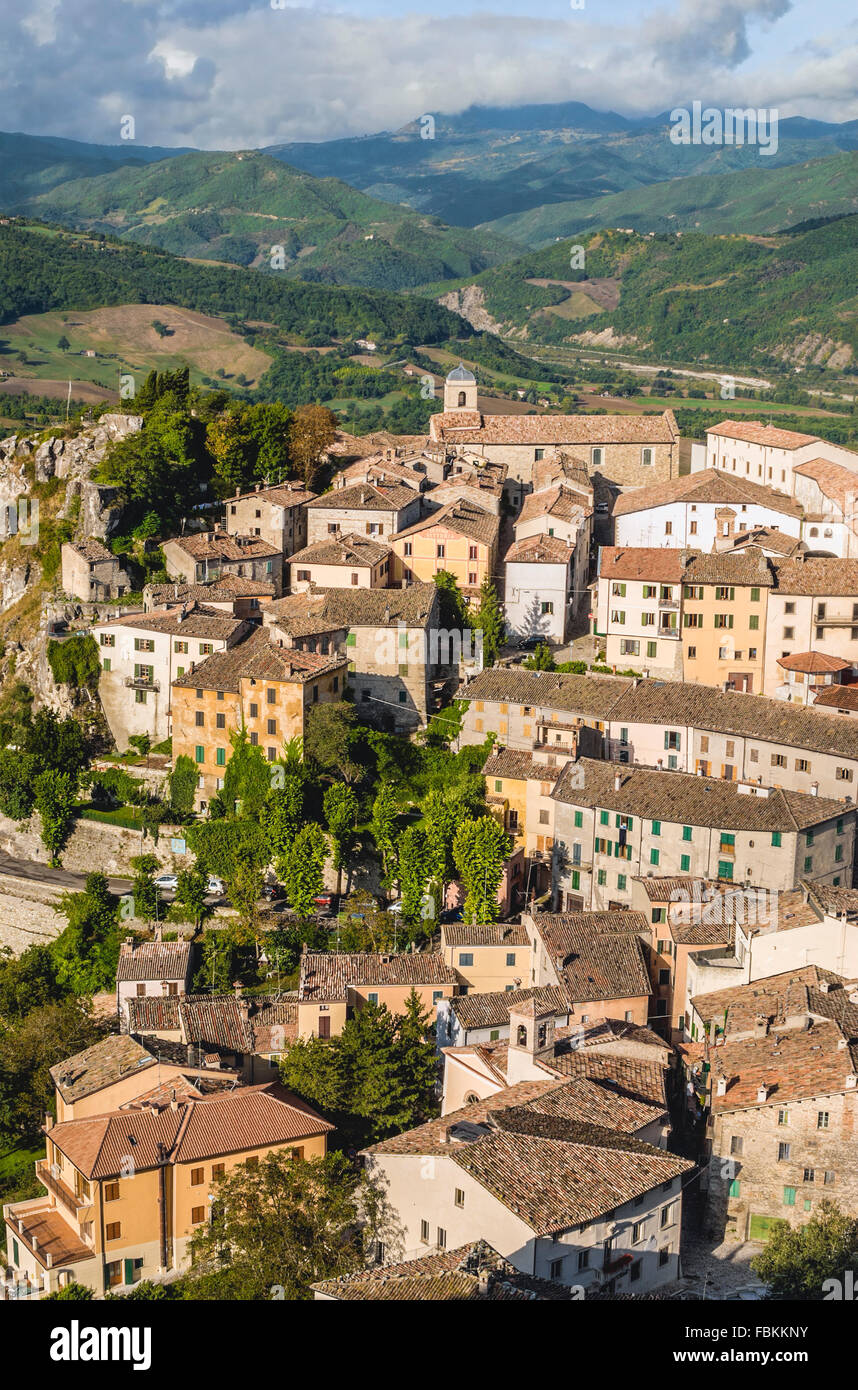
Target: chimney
[[238, 492], [761, 1026], [174, 1104], [762, 1094], [236, 988], [851, 1081], [618, 781], [814, 789], [484, 1280], [721, 1088]]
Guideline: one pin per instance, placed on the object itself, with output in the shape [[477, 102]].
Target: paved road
[[59, 878]]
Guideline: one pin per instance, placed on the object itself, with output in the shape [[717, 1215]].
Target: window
[[198, 1216], [439, 552], [822, 1119], [843, 774], [656, 827], [113, 1230], [372, 997], [181, 647], [808, 864], [735, 1188], [647, 455], [685, 863], [555, 1269], [809, 1175], [723, 620], [459, 1197], [630, 646], [111, 1191], [579, 819], [652, 649], [618, 590], [218, 1170], [621, 883], [424, 1232], [144, 644], [220, 757], [198, 1176], [654, 856], [737, 1144], [220, 721], [466, 957], [206, 648], [510, 957], [789, 1196], [199, 754], [754, 622], [829, 1178], [663, 1258], [784, 1151], [107, 639], [105, 665], [442, 1238], [668, 1215]]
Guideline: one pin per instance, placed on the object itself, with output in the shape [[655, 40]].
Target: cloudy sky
[[233, 74]]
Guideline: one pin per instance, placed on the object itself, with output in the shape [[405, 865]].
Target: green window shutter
[[735, 1188], [220, 757], [579, 819], [603, 818], [789, 1196], [808, 864], [685, 863], [351, 640], [754, 622], [654, 856], [576, 879], [656, 827], [498, 785], [199, 753], [621, 883], [602, 877], [686, 832], [725, 869], [776, 839], [652, 649], [755, 596]]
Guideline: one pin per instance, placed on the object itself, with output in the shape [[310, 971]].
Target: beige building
[[813, 607], [259, 686], [768, 455], [332, 985], [243, 598], [143, 653], [339, 563], [276, 514], [91, 573], [362, 509], [199, 559], [546, 712], [612, 825], [487, 958], [151, 969]]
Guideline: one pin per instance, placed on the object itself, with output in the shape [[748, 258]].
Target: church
[[625, 451]]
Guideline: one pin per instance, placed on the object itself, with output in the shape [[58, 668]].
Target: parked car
[[529, 644], [325, 902], [170, 882], [215, 885]]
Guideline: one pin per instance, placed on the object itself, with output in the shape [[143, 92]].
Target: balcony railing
[[142, 683], [74, 1205], [673, 632], [669, 603]]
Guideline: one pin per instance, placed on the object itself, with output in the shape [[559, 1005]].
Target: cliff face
[[26, 461]]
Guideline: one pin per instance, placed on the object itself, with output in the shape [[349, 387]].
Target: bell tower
[[531, 1037], [460, 389]]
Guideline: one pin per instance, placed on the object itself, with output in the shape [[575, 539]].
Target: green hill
[[240, 208], [740, 301], [755, 200]]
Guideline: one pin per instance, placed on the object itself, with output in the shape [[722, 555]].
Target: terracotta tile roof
[[794, 1065], [588, 696], [492, 1010], [259, 658], [330, 610], [494, 934], [710, 485], [625, 1076], [379, 470], [365, 497], [841, 697], [753, 432], [834, 900], [812, 662], [833, 479], [551, 1170], [539, 550], [559, 466], [280, 494], [362, 446], [775, 998], [341, 550], [92, 550], [518, 765], [448, 1276], [218, 545], [681, 798], [463, 517], [228, 586], [610, 1030], [198, 621], [154, 1013], [470, 427], [597, 955], [250, 1117], [329, 975], [816, 575], [764, 538], [757, 717], [748, 566], [153, 960], [99, 1066], [641, 562], [258, 1023]]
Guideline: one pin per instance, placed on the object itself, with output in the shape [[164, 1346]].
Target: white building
[[539, 587], [704, 511], [767, 455]]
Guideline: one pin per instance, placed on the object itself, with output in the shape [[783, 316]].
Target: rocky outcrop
[[470, 302]]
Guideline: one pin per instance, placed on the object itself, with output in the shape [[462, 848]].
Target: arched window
[[462, 398], [521, 1036], [471, 1098], [541, 1035]]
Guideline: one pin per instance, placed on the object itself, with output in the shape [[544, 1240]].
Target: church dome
[[461, 373]]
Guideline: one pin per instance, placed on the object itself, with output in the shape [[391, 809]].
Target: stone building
[[210, 555], [276, 514], [348, 561], [91, 573], [332, 985], [780, 1096], [362, 509]]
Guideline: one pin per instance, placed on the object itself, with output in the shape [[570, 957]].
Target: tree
[[54, 800], [183, 785], [278, 1227], [28, 1050], [282, 814], [454, 610], [70, 1293], [236, 850], [383, 825], [443, 813], [227, 954], [418, 1059], [191, 893], [489, 620], [797, 1261], [542, 659], [17, 774], [144, 894], [328, 739], [303, 868], [314, 429], [142, 743], [247, 780], [480, 850], [86, 952], [63, 343], [416, 861], [341, 808], [28, 981]]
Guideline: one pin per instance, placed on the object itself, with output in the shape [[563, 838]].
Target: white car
[[214, 884], [168, 881]]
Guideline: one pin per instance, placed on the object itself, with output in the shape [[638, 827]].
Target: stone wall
[[93, 846]]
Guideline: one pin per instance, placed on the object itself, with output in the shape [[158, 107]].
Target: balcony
[[73, 1205], [669, 603], [45, 1233], [141, 683], [673, 632]]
